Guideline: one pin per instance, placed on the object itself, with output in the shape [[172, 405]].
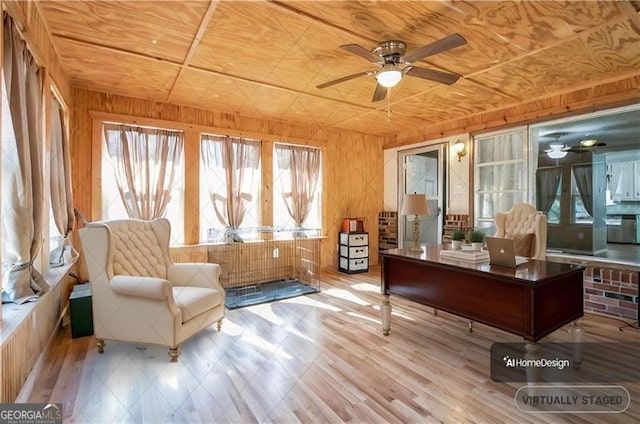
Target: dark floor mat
[[239, 297]]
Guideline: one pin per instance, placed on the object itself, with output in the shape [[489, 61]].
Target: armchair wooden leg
[[174, 352], [100, 344], [219, 325]]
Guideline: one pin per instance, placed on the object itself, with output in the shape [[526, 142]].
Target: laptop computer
[[502, 252]]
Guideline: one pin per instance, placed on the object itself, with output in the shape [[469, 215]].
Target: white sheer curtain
[[60, 184], [501, 179], [232, 167], [145, 160], [299, 190], [22, 185]]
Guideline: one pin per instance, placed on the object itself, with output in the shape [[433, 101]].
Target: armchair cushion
[[523, 243], [192, 301], [136, 249], [195, 275], [149, 287]]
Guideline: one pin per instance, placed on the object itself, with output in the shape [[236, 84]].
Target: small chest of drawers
[[354, 252]]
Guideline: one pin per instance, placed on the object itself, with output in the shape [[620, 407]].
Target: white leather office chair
[[138, 294], [521, 220]]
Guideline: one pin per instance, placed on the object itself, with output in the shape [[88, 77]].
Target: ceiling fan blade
[[444, 44], [432, 74], [362, 52], [343, 79], [380, 93]]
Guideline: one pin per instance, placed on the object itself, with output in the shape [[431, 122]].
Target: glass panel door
[[421, 172]]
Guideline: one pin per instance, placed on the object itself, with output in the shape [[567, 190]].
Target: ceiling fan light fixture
[[557, 154], [389, 76], [556, 151], [588, 143]]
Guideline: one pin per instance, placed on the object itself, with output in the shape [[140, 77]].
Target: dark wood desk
[[531, 301]]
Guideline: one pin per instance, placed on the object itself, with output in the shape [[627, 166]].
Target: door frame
[[443, 150]]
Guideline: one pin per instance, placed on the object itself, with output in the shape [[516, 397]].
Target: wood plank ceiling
[[264, 58]]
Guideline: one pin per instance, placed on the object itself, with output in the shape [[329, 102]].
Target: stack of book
[[466, 255]]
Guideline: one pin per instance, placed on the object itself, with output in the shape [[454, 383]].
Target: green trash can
[[81, 311]]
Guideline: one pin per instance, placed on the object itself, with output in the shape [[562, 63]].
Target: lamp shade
[[415, 204]]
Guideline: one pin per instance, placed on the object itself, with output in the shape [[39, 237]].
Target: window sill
[[13, 315]]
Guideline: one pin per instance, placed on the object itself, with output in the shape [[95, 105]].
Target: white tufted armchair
[[138, 294], [524, 219]]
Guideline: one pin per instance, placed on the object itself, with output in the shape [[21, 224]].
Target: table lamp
[[415, 204]]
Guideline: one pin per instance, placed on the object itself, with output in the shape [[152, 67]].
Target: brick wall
[[387, 230], [611, 291]]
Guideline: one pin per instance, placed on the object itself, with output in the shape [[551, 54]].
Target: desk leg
[[577, 330], [533, 353], [385, 308]]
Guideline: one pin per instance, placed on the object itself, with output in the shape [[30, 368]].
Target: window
[[297, 186], [143, 175], [500, 175], [229, 186]]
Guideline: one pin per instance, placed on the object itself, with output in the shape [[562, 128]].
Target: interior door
[[421, 171]]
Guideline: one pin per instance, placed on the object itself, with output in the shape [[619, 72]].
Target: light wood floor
[[319, 358]]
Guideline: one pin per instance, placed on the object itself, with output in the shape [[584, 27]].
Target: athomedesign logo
[[536, 363]]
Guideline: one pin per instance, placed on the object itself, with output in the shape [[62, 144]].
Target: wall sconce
[[460, 149]]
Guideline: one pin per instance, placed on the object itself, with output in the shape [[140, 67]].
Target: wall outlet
[[276, 253]]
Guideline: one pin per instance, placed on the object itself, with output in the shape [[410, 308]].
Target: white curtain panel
[[299, 190], [145, 160], [22, 185], [232, 166]]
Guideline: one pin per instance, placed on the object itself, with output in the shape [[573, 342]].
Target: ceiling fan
[[390, 55], [559, 150]]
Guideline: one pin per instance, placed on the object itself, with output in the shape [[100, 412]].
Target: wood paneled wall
[[25, 338], [573, 102], [352, 162]]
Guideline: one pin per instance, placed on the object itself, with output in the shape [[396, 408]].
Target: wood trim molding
[[263, 136], [618, 92], [194, 44]]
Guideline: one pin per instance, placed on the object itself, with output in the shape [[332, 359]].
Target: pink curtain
[[303, 165], [146, 160], [240, 160], [22, 184]]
